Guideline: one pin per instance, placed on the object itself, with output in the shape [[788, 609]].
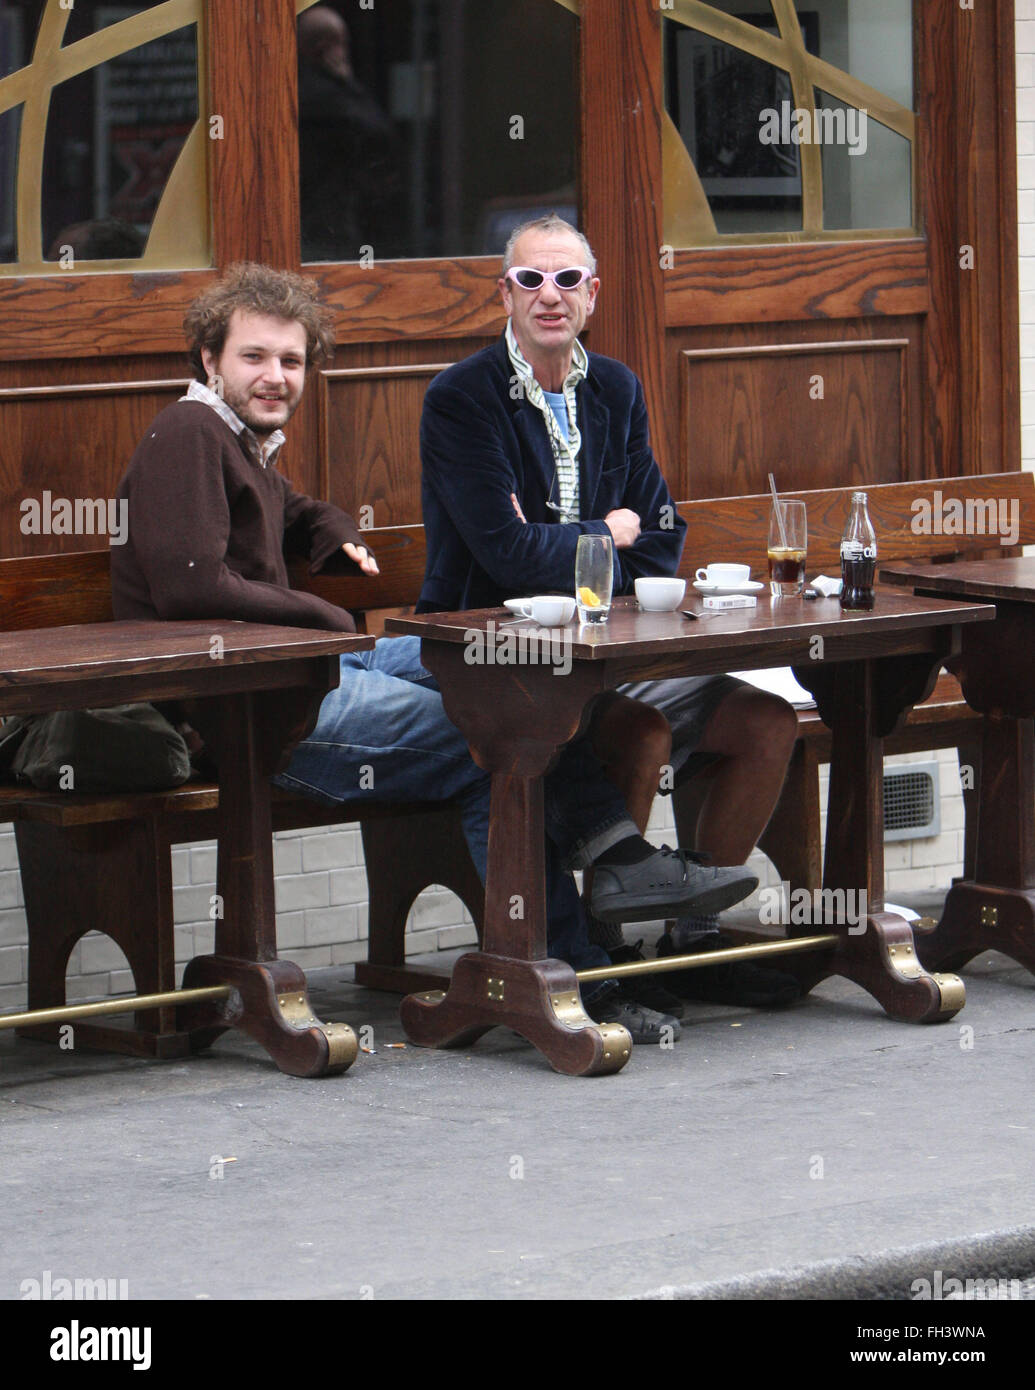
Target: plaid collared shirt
[[262, 454]]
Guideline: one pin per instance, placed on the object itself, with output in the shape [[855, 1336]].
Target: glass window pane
[[113, 136], [19, 21], [871, 39], [740, 127], [867, 174], [715, 92], [10, 124], [431, 127]]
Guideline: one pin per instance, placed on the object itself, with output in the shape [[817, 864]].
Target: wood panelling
[[69, 315], [966, 100], [72, 442], [370, 426], [392, 300], [940, 106], [253, 167], [1006, 392], [620, 184], [814, 414], [777, 284], [683, 441], [990, 420]]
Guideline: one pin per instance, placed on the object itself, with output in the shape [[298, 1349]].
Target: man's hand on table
[[362, 556], [624, 526]]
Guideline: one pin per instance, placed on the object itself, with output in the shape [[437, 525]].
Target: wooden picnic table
[[252, 690], [865, 670], [995, 909]]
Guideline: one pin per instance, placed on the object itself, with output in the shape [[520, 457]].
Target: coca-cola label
[[855, 550]]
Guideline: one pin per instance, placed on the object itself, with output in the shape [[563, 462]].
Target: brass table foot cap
[[953, 996]]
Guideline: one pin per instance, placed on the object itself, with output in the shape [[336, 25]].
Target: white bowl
[[660, 595]]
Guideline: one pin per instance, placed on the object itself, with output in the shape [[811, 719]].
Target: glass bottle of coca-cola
[[858, 556]]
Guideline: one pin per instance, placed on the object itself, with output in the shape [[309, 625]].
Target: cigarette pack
[[731, 601]]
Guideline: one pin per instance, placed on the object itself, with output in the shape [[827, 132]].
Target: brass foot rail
[[727, 953], [127, 1005]]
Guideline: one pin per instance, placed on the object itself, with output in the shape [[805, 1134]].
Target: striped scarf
[[565, 451]]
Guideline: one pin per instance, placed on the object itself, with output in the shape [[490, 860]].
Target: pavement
[[820, 1152]]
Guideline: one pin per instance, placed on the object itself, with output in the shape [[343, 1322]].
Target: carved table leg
[[510, 982], [538, 999], [861, 702], [995, 911], [981, 917], [248, 734], [501, 986]]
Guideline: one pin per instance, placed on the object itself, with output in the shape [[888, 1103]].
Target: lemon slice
[[588, 598]]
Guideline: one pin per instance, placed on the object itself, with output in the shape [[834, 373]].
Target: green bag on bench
[[127, 748]]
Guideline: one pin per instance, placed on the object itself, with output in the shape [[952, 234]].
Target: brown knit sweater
[[209, 530]]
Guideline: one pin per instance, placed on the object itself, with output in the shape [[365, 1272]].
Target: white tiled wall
[[321, 885]]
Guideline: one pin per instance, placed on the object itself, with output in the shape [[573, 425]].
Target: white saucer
[[751, 587]]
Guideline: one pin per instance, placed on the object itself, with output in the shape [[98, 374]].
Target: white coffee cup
[[660, 595], [728, 576], [549, 610]]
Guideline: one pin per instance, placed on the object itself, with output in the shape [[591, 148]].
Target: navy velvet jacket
[[479, 444]]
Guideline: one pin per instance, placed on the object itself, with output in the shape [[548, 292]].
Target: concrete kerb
[[1002, 1255]]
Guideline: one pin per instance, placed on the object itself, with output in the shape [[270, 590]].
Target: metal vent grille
[[912, 806]]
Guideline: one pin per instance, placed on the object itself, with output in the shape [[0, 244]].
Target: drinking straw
[[779, 512]]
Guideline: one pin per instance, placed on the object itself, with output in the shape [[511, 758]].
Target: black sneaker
[[644, 1025], [670, 883], [647, 990], [739, 982]]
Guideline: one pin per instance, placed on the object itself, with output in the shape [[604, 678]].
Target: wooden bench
[[103, 862], [735, 529]]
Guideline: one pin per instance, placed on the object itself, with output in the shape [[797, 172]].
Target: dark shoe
[[735, 982], [670, 883], [644, 1025], [648, 990]]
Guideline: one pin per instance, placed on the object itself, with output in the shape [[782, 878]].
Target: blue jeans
[[383, 734]]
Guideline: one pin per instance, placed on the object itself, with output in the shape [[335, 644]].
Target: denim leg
[[383, 735]]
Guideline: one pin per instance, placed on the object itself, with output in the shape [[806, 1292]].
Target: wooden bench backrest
[[735, 529], [49, 590], [52, 590]]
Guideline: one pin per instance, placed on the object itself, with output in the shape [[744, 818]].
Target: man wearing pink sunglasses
[[526, 446]]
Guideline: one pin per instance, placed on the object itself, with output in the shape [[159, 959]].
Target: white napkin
[[779, 680], [906, 912], [826, 586]]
